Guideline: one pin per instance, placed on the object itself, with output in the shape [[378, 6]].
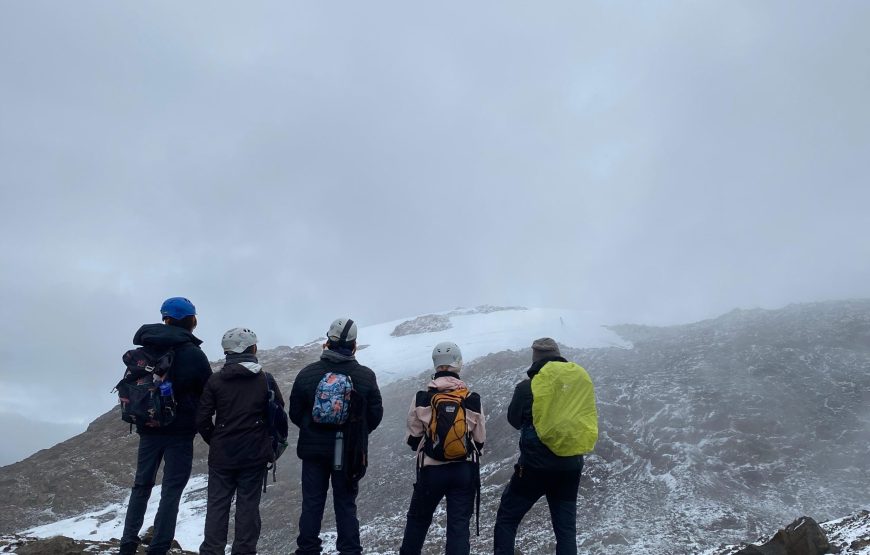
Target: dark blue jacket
[[190, 370]]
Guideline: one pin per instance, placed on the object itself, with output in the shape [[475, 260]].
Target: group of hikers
[[335, 402]]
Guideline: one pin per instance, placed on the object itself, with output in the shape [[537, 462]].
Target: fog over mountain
[[621, 169], [712, 433], [282, 164], [20, 436]]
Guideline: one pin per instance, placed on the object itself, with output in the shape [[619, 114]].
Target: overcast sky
[[282, 164]]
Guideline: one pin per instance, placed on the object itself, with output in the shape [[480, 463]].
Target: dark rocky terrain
[[61, 545], [846, 536], [711, 433], [423, 324]]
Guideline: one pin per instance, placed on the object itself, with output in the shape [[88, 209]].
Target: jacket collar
[[445, 374], [335, 356], [537, 365], [163, 335]]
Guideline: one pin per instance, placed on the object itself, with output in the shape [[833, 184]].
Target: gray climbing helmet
[[237, 340], [447, 353], [342, 331]]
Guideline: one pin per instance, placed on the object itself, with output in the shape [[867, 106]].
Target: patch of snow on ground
[[851, 530], [108, 522], [850, 534], [479, 334]]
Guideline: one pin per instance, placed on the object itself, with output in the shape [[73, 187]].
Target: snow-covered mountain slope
[[403, 348], [850, 534], [712, 433], [107, 522]]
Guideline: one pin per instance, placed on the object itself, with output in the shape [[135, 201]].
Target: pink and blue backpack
[[332, 400]]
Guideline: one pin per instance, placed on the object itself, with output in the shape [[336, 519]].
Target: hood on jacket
[[446, 381], [330, 355], [162, 335], [537, 365], [240, 370], [241, 365]]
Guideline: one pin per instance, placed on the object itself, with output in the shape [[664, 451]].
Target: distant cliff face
[[711, 433]]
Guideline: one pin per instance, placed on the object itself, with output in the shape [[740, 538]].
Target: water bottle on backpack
[[338, 455], [166, 389], [167, 400]]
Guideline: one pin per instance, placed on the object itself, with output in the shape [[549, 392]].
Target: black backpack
[[355, 456], [145, 393], [278, 426], [276, 418]]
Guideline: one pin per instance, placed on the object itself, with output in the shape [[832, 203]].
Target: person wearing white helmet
[[241, 447], [333, 445], [447, 430]]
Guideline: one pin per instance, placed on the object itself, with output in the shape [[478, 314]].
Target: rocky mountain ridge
[[711, 433]]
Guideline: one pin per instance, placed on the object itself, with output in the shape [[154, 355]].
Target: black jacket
[[190, 370], [533, 453], [239, 435], [319, 443]]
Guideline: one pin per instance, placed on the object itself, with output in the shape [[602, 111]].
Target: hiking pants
[[527, 485], [176, 452], [316, 474], [247, 485], [456, 481]]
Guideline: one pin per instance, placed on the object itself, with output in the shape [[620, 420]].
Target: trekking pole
[[477, 516], [477, 510]]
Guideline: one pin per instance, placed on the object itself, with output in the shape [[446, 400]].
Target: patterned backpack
[[332, 400]]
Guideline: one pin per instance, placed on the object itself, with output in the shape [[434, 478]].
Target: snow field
[[479, 334]]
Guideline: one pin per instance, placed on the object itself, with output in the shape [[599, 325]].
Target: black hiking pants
[[247, 486], [316, 474], [176, 452], [527, 485], [456, 481]]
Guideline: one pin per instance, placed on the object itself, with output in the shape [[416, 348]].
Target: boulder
[[804, 536]]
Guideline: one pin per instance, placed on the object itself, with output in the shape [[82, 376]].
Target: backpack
[[355, 456], [278, 427], [139, 391], [332, 400], [563, 409], [276, 419], [446, 437]]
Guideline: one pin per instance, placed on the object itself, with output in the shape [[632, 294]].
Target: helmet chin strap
[[342, 339]]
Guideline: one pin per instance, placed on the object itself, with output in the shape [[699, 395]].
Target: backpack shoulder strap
[[270, 380], [472, 402], [170, 354], [270, 393], [423, 398]]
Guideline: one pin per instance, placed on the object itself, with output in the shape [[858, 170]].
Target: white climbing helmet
[[447, 353]]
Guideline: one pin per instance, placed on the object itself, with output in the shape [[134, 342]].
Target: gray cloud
[[20, 436], [284, 164]]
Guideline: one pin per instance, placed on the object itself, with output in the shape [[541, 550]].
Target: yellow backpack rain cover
[[563, 409]]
